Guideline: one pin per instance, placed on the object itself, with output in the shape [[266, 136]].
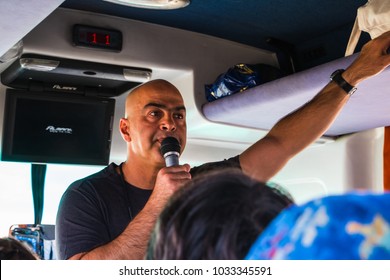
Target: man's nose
[[168, 123]]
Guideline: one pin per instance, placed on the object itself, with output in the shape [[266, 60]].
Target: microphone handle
[[171, 158]]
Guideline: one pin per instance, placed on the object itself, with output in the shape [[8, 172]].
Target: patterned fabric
[[352, 226]]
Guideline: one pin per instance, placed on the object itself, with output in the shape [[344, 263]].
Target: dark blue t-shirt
[[95, 210]]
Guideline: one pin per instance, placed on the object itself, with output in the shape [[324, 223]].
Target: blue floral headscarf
[[351, 226]]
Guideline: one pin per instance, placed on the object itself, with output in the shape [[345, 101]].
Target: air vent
[[313, 54]]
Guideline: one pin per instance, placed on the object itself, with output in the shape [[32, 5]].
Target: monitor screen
[[55, 127]]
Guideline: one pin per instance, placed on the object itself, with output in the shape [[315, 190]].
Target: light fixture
[[39, 64], [12, 53], [137, 75], [153, 4]]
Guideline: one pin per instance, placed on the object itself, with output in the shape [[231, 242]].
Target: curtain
[[38, 173]]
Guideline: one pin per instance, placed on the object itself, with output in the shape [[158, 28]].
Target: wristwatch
[[339, 80]]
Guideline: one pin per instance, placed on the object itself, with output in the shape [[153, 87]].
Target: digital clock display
[[95, 37]]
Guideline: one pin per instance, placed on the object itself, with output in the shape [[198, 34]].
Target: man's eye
[[179, 116], [154, 113]]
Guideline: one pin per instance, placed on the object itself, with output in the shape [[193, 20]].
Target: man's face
[[154, 112]]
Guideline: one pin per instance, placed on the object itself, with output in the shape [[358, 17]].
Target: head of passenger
[[354, 226], [154, 111], [216, 216], [12, 249]]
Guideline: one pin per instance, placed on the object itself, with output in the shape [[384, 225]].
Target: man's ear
[[124, 129]]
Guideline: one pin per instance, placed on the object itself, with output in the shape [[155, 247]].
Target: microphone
[[170, 150]]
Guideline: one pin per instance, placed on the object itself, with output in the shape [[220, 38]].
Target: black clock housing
[[97, 38]]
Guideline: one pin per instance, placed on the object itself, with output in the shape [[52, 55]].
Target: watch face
[[339, 80]]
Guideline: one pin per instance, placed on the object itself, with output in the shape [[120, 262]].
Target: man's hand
[[169, 180], [372, 60]]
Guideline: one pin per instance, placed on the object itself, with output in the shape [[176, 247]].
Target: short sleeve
[[232, 162], [80, 223]]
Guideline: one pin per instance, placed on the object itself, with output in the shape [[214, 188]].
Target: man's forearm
[[131, 244], [293, 133], [311, 120], [306, 124]]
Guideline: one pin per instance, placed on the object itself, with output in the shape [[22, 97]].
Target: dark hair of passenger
[[12, 249], [216, 216]]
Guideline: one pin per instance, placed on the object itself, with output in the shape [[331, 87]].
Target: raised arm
[[300, 128]]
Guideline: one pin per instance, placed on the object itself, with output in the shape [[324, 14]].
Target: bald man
[[110, 214]]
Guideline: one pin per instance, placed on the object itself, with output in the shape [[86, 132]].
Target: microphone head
[[169, 144]]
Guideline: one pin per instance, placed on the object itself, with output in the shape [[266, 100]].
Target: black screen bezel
[[11, 103]]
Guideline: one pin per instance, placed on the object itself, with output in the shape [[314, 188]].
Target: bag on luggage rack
[[239, 78]]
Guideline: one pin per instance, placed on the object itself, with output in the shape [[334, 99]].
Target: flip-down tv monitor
[[55, 127]]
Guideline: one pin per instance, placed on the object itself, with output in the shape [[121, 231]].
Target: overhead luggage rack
[[368, 108]]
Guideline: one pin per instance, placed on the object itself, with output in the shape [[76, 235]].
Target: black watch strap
[[339, 80]]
